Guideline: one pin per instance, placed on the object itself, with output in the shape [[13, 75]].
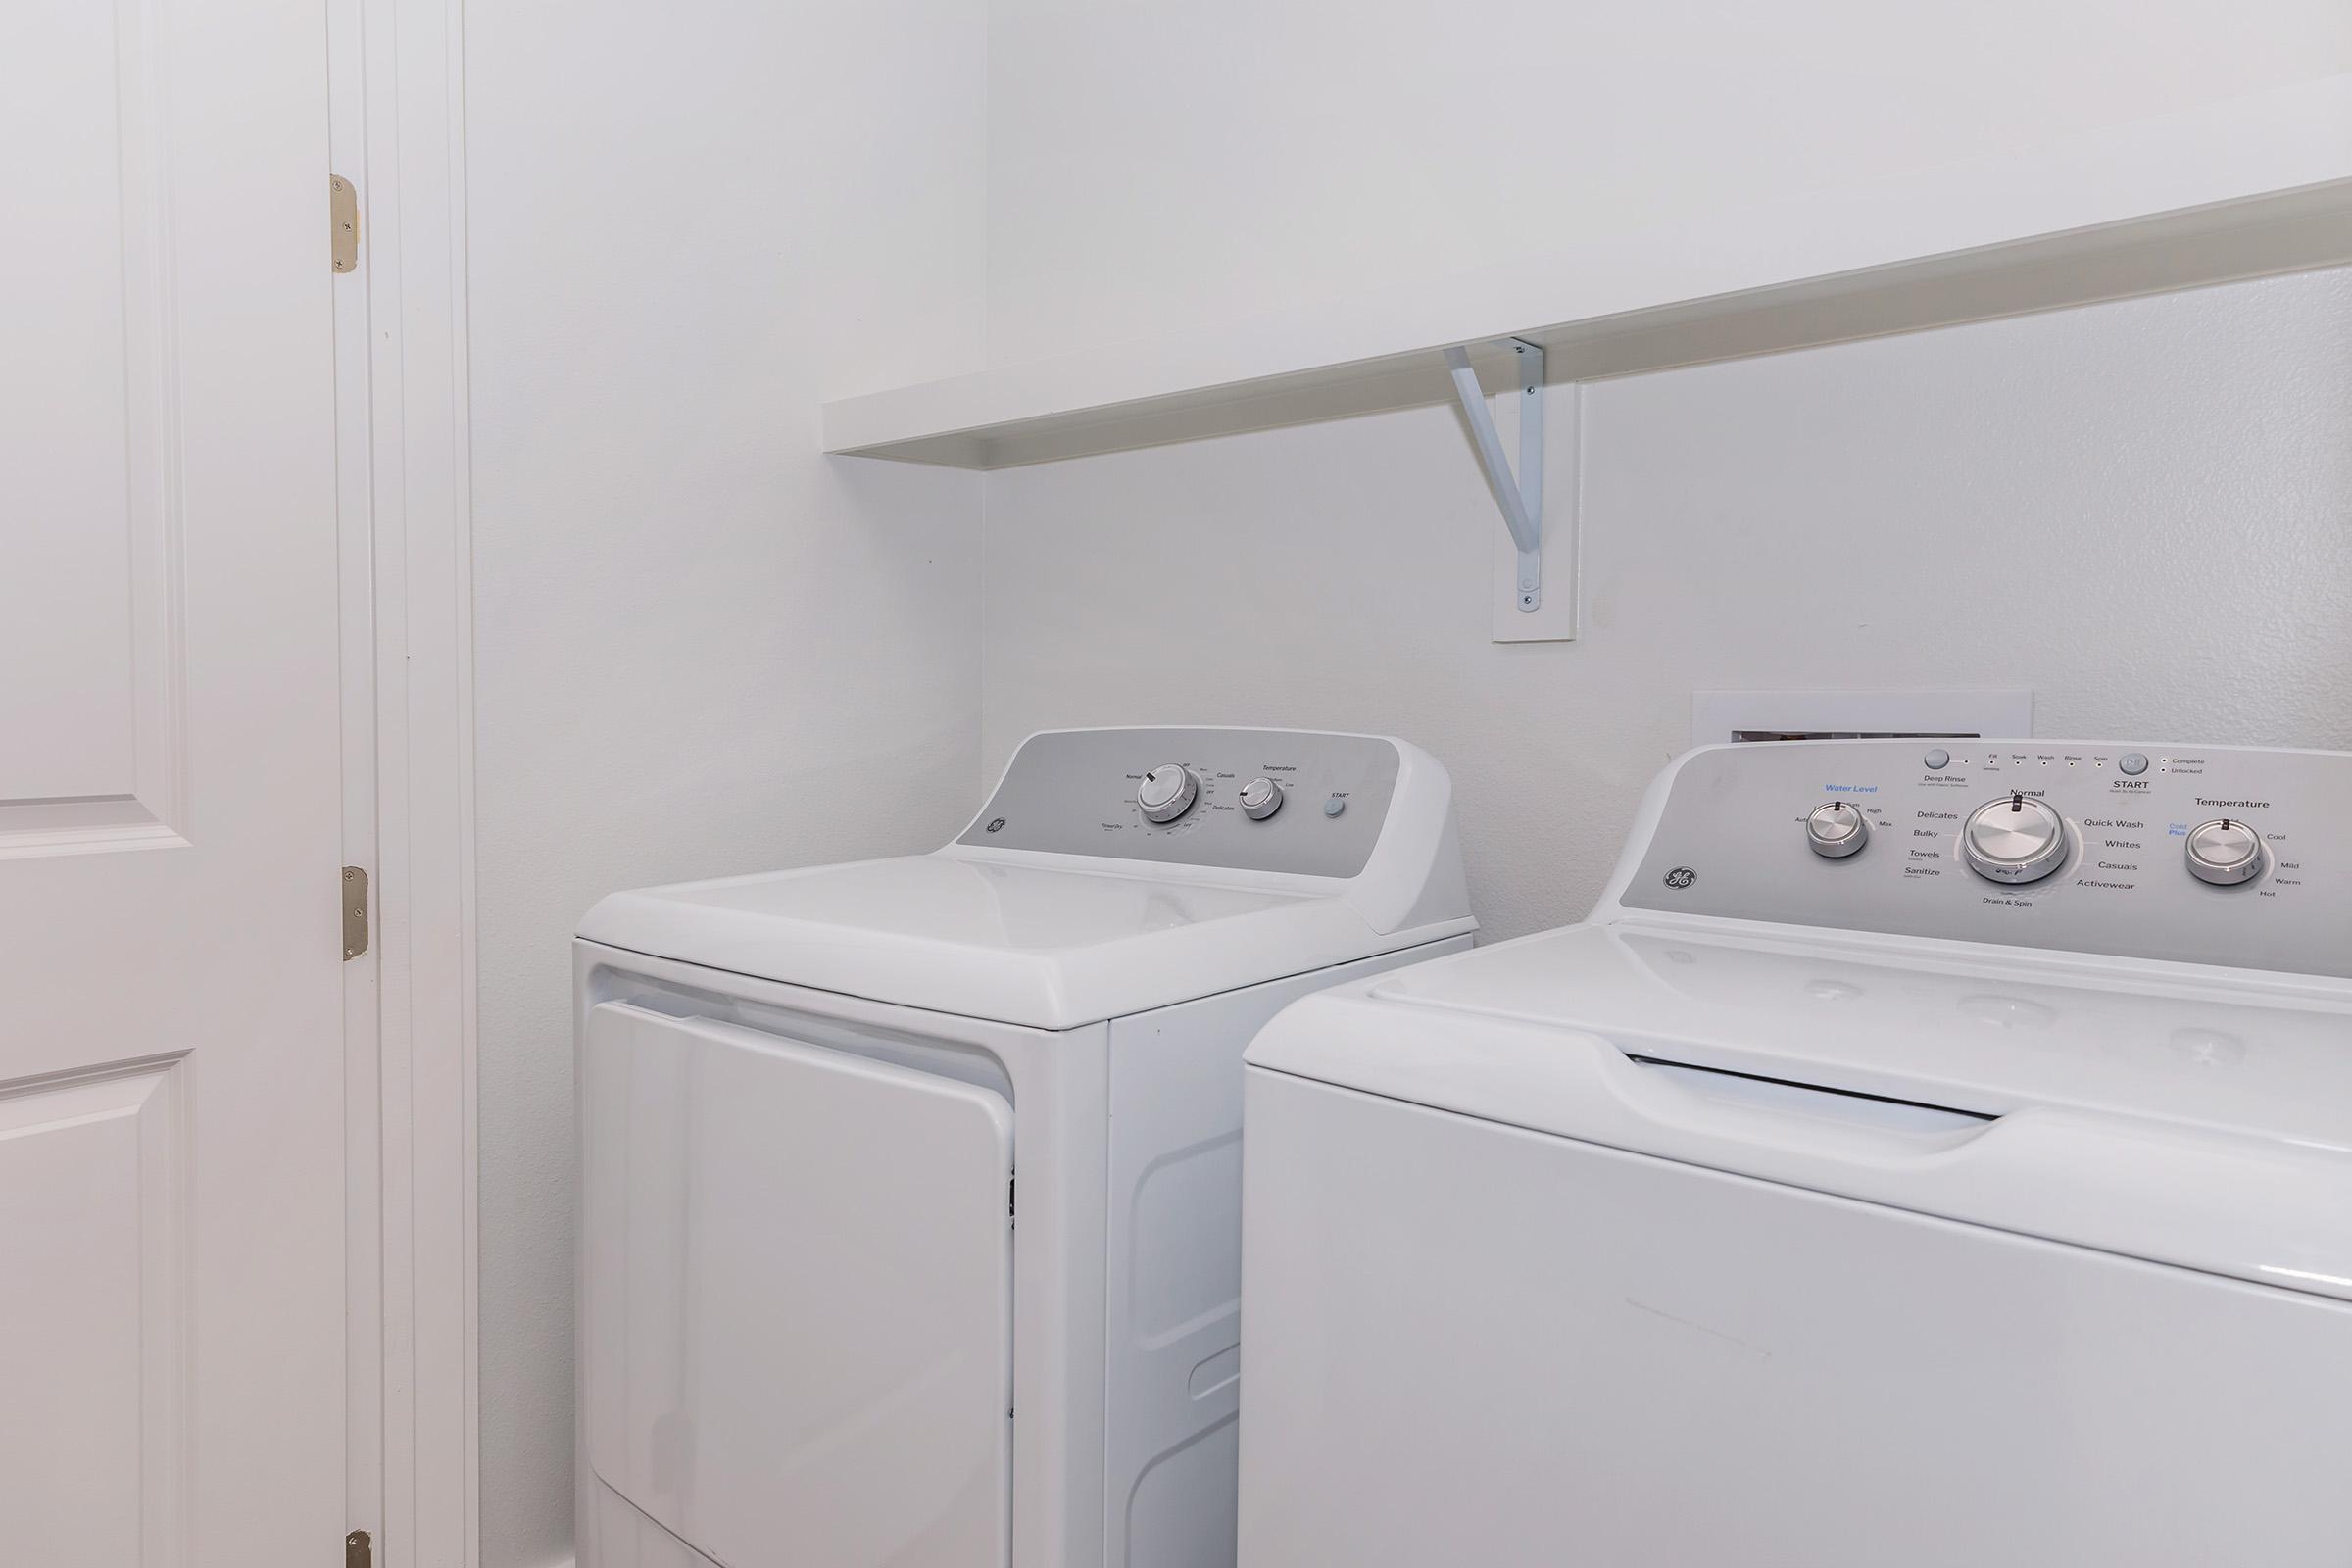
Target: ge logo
[[1682, 876], [996, 826]]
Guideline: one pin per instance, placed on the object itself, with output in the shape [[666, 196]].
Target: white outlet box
[[1717, 717]]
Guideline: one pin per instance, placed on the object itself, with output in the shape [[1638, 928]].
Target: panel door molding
[[90, 604], [93, 1223]]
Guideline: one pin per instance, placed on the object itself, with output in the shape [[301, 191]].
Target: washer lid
[[1945, 1027], [2144, 1108], [1050, 949]]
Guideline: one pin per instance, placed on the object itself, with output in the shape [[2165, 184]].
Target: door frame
[[397, 131]]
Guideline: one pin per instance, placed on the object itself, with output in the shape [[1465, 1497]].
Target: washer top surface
[[1094, 911], [2121, 978], [2117, 1050], [1985, 1033], [2179, 1119]]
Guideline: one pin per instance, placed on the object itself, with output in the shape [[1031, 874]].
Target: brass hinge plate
[[359, 1551], [355, 912], [343, 222]]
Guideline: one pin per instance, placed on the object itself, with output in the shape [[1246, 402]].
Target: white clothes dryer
[[1926, 1154], [910, 1192]]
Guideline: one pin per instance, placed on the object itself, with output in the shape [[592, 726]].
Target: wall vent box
[[1717, 717]]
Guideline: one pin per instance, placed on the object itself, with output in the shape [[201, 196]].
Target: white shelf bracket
[[1520, 496]]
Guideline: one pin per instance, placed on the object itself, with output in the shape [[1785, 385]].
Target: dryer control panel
[[2205, 855], [1263, 799]]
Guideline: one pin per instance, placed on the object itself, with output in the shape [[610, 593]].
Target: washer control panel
[[1258, 800], [2211, 855]]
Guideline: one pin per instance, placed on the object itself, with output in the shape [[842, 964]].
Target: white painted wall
[[1155, 167], [2142, 510], [700, 646]]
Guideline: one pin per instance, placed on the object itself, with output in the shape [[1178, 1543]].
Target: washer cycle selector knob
[[1835, 830], [2225, 852], [1262, 798], [2014, 839], [1167, 792]]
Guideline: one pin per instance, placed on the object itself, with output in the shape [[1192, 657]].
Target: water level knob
[[1835, 830]]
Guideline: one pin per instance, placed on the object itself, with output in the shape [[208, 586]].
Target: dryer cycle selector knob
[[1835, 830], [1167, 792], [2225, 852], [1262, 798], [2014, 839]]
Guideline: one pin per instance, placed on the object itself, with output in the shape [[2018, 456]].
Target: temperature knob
[[1835, 830], [1167, 792], [1262, 798], [2014, 839], [2225, 852]]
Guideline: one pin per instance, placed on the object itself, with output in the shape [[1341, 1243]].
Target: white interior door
[[171, 1071]]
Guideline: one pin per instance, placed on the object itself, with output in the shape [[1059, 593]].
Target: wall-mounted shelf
[[2243, 188]]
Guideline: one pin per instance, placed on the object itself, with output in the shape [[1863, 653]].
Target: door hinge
[[359, 1551], [343, 223], [355, 912]]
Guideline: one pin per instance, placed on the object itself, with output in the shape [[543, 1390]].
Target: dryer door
[[796, 1297]]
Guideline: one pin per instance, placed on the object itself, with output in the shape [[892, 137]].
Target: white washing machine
[[912, 1203], [1935, 1154]]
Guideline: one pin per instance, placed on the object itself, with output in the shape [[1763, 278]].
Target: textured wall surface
[[700, 647], [1153, 167], [2142, 510]]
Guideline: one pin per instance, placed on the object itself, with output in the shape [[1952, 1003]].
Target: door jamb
[[396, 112]]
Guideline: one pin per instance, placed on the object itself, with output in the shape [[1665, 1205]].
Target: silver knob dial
[[1262, 798], [1167, 792], [2225, 852], [2014, 839], [1835, 830]]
